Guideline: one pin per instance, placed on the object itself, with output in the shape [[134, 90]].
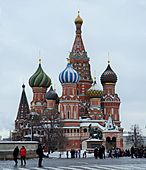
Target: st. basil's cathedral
[[82, 104]]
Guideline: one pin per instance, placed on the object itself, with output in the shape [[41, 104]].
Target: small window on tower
[[68, 115], [85, 130], [82, 110]]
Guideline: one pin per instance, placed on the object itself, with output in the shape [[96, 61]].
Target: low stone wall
[[7, 147]]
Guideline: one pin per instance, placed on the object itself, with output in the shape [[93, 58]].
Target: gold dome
[[94, 91], [78, 20]]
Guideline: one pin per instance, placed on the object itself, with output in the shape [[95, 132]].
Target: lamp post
[[32, 116]]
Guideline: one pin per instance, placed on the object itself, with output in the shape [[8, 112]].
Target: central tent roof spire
[[78, 49]]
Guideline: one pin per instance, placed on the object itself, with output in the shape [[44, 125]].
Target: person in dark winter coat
[[40, 153], [100, 153], [132, 152], [95, 153], [103, 151], [15, 155]]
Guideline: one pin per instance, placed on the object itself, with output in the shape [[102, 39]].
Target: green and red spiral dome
[[39, 78]]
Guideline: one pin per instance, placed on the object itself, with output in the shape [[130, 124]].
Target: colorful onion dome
[[108, 76], [69, 75], [39, 78], [51, 94], [78, 20], [94, 91]]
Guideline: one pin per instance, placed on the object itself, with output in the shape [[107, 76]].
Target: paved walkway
[[90, 167], [79, 164]]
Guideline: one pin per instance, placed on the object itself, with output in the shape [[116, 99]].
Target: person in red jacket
[[23, 155]]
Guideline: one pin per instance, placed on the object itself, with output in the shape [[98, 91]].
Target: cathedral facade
[[82, 104]]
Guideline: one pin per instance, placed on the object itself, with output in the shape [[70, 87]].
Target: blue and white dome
[[69, 75]]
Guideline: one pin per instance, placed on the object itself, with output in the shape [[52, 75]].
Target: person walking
[[95, 153], [40, 153], [132, 152], [79, 153], [85, 155], [23, 155], [100, 153], [103, 151], [67, 154], [15, 155]]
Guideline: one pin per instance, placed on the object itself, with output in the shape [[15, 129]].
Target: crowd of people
[[138, 152], [115, 153], [99, 152], [134, 152], [76, 154]]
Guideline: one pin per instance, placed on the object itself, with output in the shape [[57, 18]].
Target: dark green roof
[[39, 78]]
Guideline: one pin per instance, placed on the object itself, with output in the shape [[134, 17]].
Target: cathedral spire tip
[[94, 76], [108, 58], [23, 85], [78, 19], [68, 60], [40, 61]]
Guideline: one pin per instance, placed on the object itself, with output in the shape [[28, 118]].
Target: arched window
[[82, 110], [108, 139], [85, 130], [108, 99], [68, 115], [114, 139]]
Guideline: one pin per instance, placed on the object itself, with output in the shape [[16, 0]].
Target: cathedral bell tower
[[110, 100], [69, 101], [95, 94], [39, 82], [80, 62]]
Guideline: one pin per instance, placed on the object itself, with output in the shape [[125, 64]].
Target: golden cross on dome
[[40, 57], [40, 61], [68, 60], [94, 75], [108, 58]]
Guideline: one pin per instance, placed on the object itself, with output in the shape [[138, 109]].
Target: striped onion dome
[[94, 91], [69, 75], [39, 78], [108, 76]]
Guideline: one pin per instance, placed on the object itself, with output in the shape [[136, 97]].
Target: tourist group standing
[[22, 153], [99, 152], [137, 152]]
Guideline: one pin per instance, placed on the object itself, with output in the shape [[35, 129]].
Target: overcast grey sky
[[114, 26]]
